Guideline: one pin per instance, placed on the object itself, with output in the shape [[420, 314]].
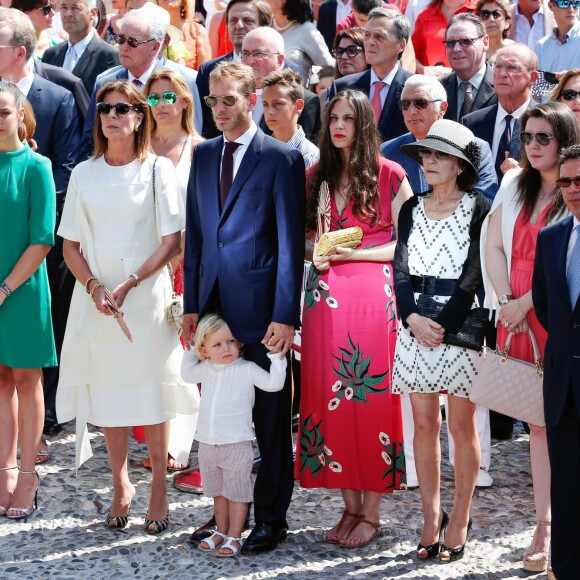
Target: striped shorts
[[226, 470]]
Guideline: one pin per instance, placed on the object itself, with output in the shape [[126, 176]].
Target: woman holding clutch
[[350, 425], [124, 210], [527, 201], [437, 263]]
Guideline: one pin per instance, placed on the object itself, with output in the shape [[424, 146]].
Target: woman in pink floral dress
[[350, 423]]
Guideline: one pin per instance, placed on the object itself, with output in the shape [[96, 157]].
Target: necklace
[[543, 193], [439, 203], [281, 28], [182, 150]]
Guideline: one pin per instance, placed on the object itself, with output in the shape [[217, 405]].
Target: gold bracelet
[[98, 285], [520, 307], [88, 282]]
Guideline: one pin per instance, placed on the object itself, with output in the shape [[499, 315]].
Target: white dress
[[436, 248], [183, 167], [104, 379]]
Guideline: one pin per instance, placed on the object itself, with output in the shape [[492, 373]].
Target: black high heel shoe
[[454, 553], [119, 521], [432, 550], [19, 513], [156, 526]]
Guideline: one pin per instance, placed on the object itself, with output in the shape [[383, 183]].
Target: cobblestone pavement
[[66, 538]]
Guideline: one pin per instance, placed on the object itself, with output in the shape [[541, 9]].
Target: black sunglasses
[[487, 14], [130, 40], [566, 182], [169, 97], [420, 104], [425, 152], [120, 108], [463, 42], [569, 94], [229, 100], [542, 138], [351, 51], [47, 9]]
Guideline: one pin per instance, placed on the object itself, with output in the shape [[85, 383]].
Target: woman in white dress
[[121, 225], [173, 135], [437, 259]]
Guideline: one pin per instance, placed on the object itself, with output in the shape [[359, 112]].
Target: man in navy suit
[[137, 64], [244, 256], [57, 137], [426, 102], [556, 297], [241, 17], [514, 74], [470, 86], [330, 13], [84, 55], [386, 37]]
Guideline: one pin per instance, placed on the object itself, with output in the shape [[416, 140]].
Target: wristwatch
[[504, 299], [4, 288], [136, 278]]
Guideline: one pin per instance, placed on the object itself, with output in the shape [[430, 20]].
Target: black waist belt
[[432, 286]]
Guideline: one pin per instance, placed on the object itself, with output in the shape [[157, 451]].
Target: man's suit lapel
[[86, 56], [560, 252], [249, 162], [61, 53], [391, 101], [34, 93], [212, 169], [486, 90]]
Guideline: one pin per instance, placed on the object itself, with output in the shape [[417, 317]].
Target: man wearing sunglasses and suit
[[470, 86], [556, 297], [558, 51], [143, 36], [244, 257], [515, 72], [531, 21]]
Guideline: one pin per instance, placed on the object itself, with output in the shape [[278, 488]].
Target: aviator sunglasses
[[543, 139], [168, 97], [228, 100], [425, 153], [130, 40], [120, 108], [566, 182], [420, 104], [569, 94]]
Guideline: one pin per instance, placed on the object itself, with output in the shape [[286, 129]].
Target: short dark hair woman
[[124, 209], [437, 259]]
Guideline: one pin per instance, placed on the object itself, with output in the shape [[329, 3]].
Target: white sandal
[[229, 544], [211, 542]]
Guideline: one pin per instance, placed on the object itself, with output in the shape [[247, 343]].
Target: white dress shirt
[[258, 111], [387, 80], [500, 124], [239, 153], [25, 83], [145, 76], [527, 34], [75, 51], [343, 9], [227, 395], [475, 82]]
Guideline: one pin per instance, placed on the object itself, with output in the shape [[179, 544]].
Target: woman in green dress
[[27, 216]]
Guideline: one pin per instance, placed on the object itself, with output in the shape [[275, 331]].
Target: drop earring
[[136, 127]]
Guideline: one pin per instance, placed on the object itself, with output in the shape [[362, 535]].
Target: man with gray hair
[[263, 50], [141, 39], [385, 39], [84, 54]]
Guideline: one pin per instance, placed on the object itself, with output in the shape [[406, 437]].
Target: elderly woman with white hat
[[437, 273]]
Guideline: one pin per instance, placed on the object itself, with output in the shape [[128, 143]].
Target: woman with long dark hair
[[350, 425], [527, 200]]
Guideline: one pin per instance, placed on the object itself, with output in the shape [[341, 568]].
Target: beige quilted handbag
[[511, 386]]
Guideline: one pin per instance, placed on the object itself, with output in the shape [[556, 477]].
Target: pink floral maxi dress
[[351, 434]]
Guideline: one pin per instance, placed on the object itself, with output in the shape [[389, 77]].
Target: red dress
[[351, 434], [523, 254]]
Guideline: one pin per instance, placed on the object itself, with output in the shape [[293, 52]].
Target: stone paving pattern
[[66, 538]]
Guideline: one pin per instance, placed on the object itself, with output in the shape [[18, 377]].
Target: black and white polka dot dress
[[436, 248]]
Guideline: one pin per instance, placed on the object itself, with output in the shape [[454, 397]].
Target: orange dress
[[189, 32], [523, 254]]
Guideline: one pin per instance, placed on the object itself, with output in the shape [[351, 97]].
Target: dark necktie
[[504, 146], [467, 89], [138, 83], [227, 175]]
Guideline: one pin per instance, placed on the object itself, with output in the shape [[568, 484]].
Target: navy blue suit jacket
[[561, 319], [57, 131], [487, 183], [254, 248], [327, 21], [482, 124], [391, 123], [485, 96], [98, 57]]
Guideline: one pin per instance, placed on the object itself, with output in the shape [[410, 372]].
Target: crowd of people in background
[[229, 220]]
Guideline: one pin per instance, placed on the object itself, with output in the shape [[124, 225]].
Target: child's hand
[[188, 327], [279, 338]]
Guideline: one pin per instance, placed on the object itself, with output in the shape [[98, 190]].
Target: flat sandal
[[341, 523], [361, 520]]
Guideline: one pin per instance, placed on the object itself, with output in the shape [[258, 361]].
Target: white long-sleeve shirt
[[227, 395]]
